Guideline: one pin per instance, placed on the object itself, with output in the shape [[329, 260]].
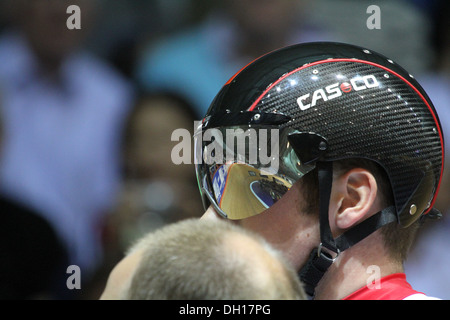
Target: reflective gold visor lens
[[240, 187], [242, 191]]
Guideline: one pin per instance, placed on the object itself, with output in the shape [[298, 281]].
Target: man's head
[[147, 144], [44, 24], [195, 259], [360, 147]]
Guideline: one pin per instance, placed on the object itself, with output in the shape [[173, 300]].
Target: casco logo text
[[335, 90]]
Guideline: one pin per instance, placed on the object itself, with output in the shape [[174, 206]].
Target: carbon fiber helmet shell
[[363, 104]]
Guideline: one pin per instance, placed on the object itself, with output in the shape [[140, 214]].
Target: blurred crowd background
[[87, 117]]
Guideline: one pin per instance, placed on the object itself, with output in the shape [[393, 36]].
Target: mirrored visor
[[244, 170]]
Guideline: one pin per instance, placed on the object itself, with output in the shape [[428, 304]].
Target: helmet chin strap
[[320, 260]]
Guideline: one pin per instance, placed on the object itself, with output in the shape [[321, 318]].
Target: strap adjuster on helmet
[[327, 255]]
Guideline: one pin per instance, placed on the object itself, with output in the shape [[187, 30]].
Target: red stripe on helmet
[[253, 106]]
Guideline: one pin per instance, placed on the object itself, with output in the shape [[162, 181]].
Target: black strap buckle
[[318, 263], [328, 255]]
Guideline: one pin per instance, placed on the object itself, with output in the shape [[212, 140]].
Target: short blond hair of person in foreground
[[202, 259]]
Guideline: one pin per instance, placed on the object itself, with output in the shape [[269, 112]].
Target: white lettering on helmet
[[318, 94], [335, 90]]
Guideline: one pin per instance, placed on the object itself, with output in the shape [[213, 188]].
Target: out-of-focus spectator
[[63, 111], [155, 191], [203, 259], [197, 61], [32, 257], [427, 269]]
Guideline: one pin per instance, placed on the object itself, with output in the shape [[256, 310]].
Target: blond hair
[[217, 260]]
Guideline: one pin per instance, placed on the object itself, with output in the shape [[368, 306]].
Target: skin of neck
[[353, 269]]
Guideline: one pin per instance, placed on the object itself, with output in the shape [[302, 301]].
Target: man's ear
[[354, 194]]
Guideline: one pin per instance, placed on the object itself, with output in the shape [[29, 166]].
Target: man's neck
[[355, 268]]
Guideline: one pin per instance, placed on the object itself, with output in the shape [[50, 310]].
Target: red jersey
[[392, 287]]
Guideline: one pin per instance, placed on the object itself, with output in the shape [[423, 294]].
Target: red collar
[[391, 287]]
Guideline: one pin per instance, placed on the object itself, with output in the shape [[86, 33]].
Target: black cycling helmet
[[327, 101]]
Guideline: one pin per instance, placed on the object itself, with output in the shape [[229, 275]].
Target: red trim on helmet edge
[[253, 106]]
